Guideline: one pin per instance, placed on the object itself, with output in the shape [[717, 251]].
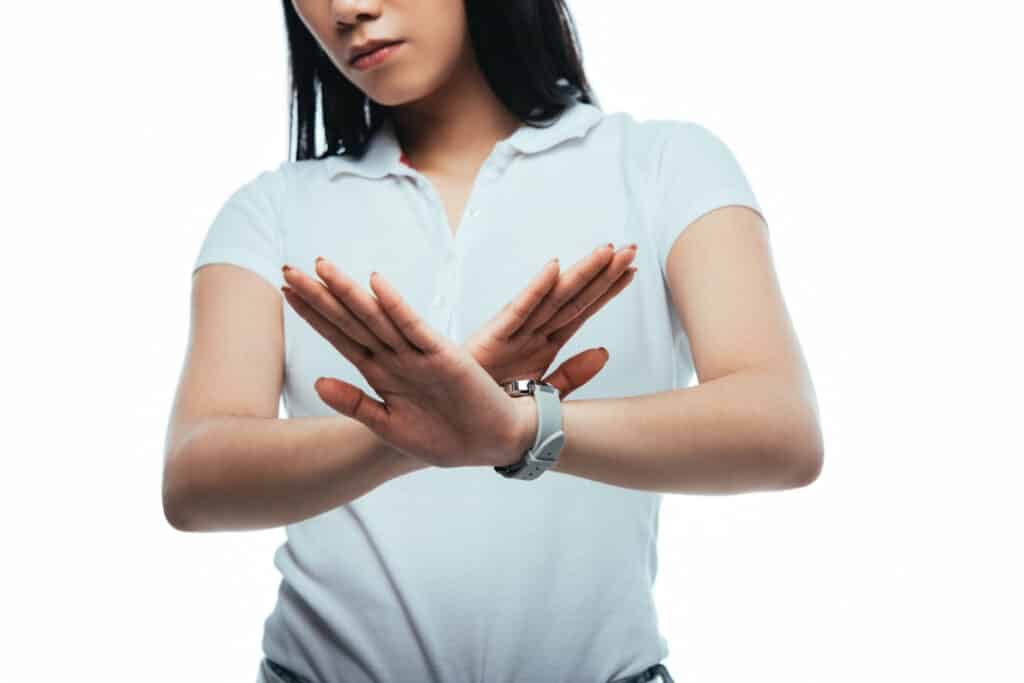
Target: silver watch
[[550, 438]]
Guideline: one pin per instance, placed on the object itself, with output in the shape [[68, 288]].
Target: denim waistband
[[644, 676], [648, 675], [283, 673]]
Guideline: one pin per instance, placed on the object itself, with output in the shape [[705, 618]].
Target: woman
[[462, 156]]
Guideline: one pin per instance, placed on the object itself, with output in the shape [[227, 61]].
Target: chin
[[390, 99], [393, 94]]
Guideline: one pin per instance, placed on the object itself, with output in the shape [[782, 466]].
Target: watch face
[[526, 387], [518, 387]]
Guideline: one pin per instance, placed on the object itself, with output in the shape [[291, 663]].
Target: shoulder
[[661, 146], [271, 189], [304, 172], [674, 145], [287, 175], [652, 133]]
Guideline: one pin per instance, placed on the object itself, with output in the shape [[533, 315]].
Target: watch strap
[[550, 438]]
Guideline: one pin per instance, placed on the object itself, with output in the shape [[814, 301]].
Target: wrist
[[526, 429], [401, 463]]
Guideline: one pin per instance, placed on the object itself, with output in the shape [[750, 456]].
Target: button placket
[[441, 304], [446, 280]]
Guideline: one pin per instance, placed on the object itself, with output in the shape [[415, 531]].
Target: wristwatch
[[550, 438]]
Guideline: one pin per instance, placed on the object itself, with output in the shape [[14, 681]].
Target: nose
[[347, 13]]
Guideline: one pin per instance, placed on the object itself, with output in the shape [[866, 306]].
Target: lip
[[358, 51]]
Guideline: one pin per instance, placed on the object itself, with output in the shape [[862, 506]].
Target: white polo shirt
[[460, 575]]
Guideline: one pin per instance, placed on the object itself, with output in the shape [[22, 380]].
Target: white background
[[883, 140]]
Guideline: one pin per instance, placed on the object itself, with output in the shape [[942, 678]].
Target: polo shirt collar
[[383, 153]]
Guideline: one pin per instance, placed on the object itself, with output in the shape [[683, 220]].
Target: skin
[[447, 118], [751, 424], [448, 121], [752, 421]]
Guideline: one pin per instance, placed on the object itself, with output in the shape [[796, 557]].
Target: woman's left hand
[[439, 405], [522, 340]]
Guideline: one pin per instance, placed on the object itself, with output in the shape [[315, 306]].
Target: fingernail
[[632, 246], [319, 259], [631, 269], [611, 245], [285, 268]]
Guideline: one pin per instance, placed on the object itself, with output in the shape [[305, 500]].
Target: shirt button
[[473, 213], [439, 301]]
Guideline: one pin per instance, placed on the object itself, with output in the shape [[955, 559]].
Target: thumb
[[578, 370], [351, 401]]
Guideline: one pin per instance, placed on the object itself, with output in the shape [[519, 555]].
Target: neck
[[452, 130]]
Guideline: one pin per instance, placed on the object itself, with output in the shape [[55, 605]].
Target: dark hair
[[528, 51]]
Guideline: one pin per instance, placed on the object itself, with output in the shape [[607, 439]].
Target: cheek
[[439, 26], [444, 56], [432, 59]]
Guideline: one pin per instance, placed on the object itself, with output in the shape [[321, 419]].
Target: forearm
[[741, 432], [239, 473]]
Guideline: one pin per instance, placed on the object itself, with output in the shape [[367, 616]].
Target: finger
[[591, 292], [414, 328], [565, 333], [351, 401], [556, 324], [516, 312], [569, 283], [356, 353], [577, 371], [362, 304], [325, 302]]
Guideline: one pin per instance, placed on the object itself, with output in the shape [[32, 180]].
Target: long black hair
[[528, 51]]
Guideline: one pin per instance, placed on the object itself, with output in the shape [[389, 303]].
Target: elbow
[[805, 469], [173, 511], [173, 500], [805, 464], [174, 520]]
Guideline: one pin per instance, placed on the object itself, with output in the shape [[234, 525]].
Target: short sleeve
[[696, 173], [246, 230]]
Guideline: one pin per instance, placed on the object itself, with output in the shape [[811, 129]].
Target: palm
[[441, 406], [522, 340], [526, 356]]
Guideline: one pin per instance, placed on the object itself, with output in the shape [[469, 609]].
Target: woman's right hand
[[525, 336]]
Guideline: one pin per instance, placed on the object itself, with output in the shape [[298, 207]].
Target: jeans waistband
[[648, 675], [644, 676]]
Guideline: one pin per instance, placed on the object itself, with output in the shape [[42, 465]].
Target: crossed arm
[[751, 424], [738, 433]]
